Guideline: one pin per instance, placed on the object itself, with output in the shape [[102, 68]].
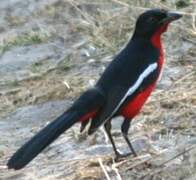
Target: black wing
[[121, 80]]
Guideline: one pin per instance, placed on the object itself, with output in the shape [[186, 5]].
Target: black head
[[154, 20]]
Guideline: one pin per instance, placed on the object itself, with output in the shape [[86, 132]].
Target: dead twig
[[104, 170], [177, 155], [3, 167], [189, 40], [169, 160], [118, 176]]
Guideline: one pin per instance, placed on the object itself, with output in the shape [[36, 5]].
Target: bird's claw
[[120, 156]]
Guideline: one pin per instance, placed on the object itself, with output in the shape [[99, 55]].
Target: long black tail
[[46, 136]]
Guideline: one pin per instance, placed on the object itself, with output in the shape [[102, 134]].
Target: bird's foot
[[120, 156], [134, 153]]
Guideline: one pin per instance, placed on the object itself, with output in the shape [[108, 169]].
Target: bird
[[122, 90]]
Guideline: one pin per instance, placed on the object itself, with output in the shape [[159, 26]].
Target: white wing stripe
[[147, 72], [133, 88]]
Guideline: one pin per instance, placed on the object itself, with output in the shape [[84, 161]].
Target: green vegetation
[[33, 37], [66, 64], [182, 3], [35, 67]]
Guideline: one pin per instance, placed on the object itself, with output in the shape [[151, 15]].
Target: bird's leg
[[125, 128], [108, 127]]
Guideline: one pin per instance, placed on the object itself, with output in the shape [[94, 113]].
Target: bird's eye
[[152, 19]]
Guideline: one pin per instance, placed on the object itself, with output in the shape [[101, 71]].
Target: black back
[[122, 73]]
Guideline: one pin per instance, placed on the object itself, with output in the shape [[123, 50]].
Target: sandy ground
[[52, 50]]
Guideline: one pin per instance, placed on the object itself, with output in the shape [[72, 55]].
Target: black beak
[[171, 17]]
